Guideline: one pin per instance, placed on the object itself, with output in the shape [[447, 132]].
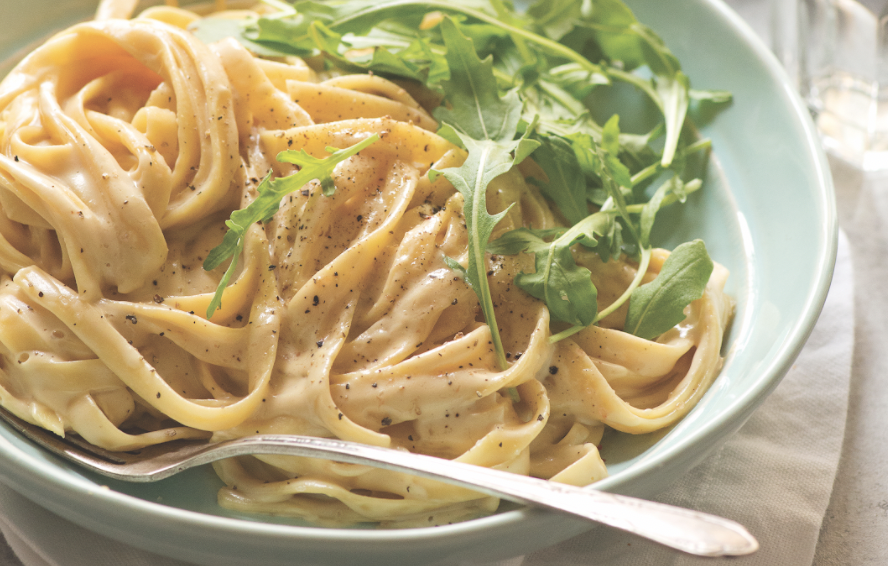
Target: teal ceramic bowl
[[767, 213]]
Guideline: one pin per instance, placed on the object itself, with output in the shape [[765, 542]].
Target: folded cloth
[[774, 476]]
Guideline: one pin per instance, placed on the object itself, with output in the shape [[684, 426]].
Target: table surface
[[855, 528]]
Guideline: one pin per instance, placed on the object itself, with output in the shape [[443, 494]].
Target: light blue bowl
[[767, 213]]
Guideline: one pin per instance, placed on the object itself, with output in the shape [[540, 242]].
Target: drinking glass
[[837, 51]]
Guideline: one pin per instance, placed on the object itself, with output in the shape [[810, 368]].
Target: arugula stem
[[480, 259], [505, 15], [646, 173], [267, 203], [569, 104], [216, 301], [639, 275], [553, 47], [503, 77], [643, 84], [690, 187], [656, 168], [565, 334]]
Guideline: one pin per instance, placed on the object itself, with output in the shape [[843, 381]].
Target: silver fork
[[682, 529]]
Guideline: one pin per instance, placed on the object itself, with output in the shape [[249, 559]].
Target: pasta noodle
[[124, 146]]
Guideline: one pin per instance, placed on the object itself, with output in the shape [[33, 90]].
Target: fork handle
[[687, 530]]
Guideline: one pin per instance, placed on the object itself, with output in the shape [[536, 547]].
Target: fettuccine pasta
[[124, 146]]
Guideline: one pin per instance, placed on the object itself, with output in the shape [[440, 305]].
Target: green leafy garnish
[[566, 184], [566, 287], [659, 305], [210, 30], [486, 125], [515, 84], [271, 191]]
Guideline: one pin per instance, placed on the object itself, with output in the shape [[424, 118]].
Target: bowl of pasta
[[581, 244]]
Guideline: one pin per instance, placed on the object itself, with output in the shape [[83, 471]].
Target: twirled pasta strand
[[124, 145]]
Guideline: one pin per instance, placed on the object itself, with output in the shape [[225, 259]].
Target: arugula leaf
[[486, 125], [706, 104], [383, 61], [650, 209], [659, 305], [576, 80], [422, 53], [355, 16], [613, 23], [212, 29], [566, 288], [622, 38], [585, 150], [566, 184], [303, 37], [710, 96], [673, 91], [271, 191], [391, 53], [556, 17], [486, 38], [475, 106], [614, 174]]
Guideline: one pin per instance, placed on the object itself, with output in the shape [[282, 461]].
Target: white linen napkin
[[774, 476]]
